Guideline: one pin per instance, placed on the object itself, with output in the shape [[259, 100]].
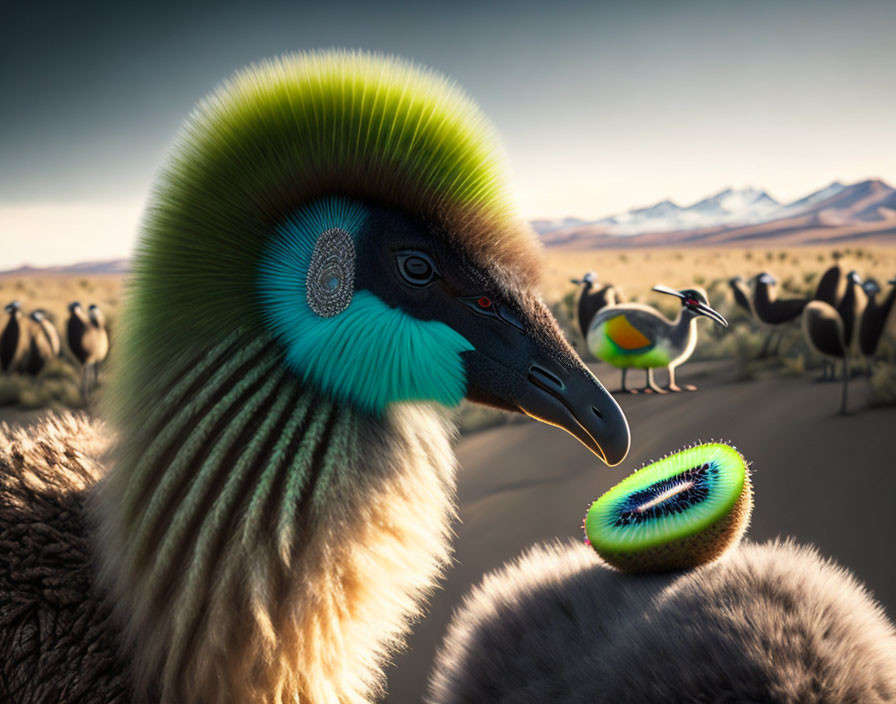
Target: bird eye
[[416, 268], [484, 302]]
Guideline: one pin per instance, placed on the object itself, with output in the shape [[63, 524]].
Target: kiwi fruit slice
[[682, 511]]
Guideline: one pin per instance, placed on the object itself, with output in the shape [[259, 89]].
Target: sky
[[600, 106]]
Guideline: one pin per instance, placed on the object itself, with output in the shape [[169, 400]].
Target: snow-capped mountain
[[864, 209], [729, 206]]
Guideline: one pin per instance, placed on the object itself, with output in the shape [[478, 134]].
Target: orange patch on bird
[[625, 335]]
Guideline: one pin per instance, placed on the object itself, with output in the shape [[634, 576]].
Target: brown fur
[[773, 623], [57, 640]]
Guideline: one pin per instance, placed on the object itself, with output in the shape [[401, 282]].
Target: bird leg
[[652, 387], [778, 343], [845, 385], [624, 390], [763, 353], [675, 387], [827, 372]]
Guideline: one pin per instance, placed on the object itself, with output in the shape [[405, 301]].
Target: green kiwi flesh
[[682, 511]]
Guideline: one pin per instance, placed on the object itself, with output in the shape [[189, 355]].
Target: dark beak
[[575, 281], [711, 313], [574, 400]]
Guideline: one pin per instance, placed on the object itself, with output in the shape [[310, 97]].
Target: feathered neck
[[264, 543]]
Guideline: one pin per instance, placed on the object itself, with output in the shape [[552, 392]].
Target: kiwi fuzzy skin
[[700, 547]]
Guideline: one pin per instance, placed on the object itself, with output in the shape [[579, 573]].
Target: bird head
[[589, 278], [695, 301], [13, 307], [766, 279], [871, 287], [74, 306], [95, 314], [854, 278], [354, 209], [37, 315]]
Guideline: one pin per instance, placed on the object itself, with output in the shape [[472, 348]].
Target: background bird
[[280, 499], [772, 310], [874, 319], [43, 342], [830, 286], [593, 299], [637, 335], [824, 331], [742, 294], [14, 340], [49, 331], [771, 622], [850, 309], [88, 341]]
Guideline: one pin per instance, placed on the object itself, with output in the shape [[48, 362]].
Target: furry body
[[274, 543], [50, 606], [294, 607], [769, 622]]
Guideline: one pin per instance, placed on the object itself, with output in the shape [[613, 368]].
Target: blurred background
[[690, 144]]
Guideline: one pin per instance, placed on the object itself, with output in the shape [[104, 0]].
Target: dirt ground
[[821, 478]]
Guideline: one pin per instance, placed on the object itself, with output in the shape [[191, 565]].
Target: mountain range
[[838, 212]]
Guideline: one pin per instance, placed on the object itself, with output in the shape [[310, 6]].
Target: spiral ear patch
[[330, 283]]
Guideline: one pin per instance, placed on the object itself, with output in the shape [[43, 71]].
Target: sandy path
[[818, 477]]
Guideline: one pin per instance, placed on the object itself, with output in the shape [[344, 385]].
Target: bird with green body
[[634, 335], [329, 263]]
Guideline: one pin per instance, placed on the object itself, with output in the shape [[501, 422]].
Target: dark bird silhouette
[[741, 293], [874, 319], [593, 299], [88, 341], [823, 328], [830, 286], [14, 340], [636, 335], [850, 308], [772, 310]]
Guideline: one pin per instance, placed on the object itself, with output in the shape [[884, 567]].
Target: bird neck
[[887, 305], [264, 542], [684, 327], [764, 294]]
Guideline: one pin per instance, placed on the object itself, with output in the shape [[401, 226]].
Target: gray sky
[[601, 106]]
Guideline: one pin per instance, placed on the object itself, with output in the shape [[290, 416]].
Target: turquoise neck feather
[[369, 355]]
